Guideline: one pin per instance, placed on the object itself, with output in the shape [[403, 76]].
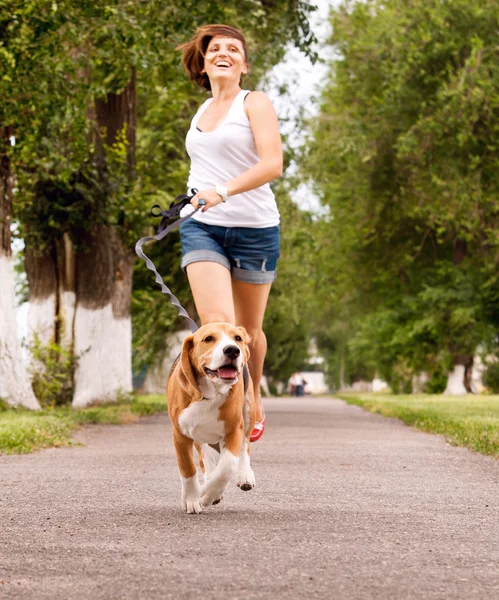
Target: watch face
[[222, 191]]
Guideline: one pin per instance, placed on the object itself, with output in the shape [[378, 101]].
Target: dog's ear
[[186, 373], [246, 339]]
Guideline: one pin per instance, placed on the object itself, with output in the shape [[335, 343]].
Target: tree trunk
[[103, 329], [157, 374], [51, 278], [459, 379], [15, 386], [342, 370], [80, 298], [42, 279]]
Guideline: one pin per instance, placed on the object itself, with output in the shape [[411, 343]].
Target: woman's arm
[[265, 129]]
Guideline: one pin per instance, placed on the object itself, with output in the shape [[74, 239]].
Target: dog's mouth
[[227, 372]]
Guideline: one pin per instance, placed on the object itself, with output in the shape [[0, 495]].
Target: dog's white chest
[[200, 422]]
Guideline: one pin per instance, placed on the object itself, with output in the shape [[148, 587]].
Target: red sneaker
[[258, 430]]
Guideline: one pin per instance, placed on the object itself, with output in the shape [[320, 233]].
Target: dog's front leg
[[230, 449], [245, 478], [191, 490]]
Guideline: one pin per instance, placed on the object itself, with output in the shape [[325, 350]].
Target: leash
[[163, 230]]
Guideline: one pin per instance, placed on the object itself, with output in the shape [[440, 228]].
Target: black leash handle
[[163, 231], [175, 207]]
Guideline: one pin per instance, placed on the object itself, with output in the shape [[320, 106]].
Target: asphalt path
[[348, 505]]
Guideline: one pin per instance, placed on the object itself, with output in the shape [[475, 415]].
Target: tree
[[26, 66], [404, 152]]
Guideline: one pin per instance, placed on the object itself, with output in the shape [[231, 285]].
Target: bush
[[437, 382], [491, 377], [51, 373]]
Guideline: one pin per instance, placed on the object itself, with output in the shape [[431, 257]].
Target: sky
[[297, 71], [304, 81]]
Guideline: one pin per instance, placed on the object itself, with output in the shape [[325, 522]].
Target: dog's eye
[[238, 338], [208, 338]]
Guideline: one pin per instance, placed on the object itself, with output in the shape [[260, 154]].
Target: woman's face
[[225, 59]]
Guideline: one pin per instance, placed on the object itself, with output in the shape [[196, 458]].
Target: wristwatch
[[221, 190]]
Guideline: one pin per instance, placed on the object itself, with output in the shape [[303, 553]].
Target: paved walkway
[[348, 505]]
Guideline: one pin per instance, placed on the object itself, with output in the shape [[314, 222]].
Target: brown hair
[[193, 51]]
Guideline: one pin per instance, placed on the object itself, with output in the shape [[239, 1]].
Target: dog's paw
[[191, 495], [211, 494], [245, 480], [192, 505]]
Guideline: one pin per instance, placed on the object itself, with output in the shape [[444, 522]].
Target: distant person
[[297, 384]]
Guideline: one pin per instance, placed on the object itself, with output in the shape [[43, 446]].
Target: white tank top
[[223, 154]]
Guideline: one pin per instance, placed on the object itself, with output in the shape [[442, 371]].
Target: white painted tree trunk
[[156, 377], [455, 382], [103, 347], [67, 309], [15, 386], [41, 317], [419, 382]]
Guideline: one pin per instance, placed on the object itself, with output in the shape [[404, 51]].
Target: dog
[[210, 402]]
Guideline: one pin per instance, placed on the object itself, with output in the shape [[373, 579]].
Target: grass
[[23, 431], [470, 421]]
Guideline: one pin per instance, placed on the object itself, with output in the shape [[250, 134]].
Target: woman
[[230, 247]]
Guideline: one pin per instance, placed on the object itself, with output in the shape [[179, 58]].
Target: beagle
[[208, 405]]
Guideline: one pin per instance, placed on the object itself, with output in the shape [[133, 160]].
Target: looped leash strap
[[172, 213], [163, 231]]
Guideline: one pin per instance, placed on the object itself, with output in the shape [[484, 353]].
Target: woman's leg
[[211, 287], [250, 301]]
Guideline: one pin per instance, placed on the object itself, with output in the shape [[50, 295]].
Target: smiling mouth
[[224, 372]]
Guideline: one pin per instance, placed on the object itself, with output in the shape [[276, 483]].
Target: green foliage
[[437, 382], [404, 152], [51, 373], [291, 303], [491, 377]]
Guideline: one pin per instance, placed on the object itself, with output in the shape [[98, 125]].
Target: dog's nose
[[232, 351]]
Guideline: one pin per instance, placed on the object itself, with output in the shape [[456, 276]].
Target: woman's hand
[[211, 197]]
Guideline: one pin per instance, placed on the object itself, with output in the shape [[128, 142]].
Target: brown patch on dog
[[185, 456]]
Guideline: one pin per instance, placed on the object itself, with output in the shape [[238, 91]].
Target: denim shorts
[[249, 253]]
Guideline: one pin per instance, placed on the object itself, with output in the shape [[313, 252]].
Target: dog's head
[[217, 351]]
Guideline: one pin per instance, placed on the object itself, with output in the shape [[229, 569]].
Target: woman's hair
[[193, 51]]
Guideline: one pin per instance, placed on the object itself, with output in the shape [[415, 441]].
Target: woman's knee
[[257, 336]]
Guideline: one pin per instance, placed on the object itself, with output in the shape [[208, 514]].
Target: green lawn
[[471, 421], [23, 431]]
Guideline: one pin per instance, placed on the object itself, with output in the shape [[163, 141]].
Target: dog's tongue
[[227, 372]]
